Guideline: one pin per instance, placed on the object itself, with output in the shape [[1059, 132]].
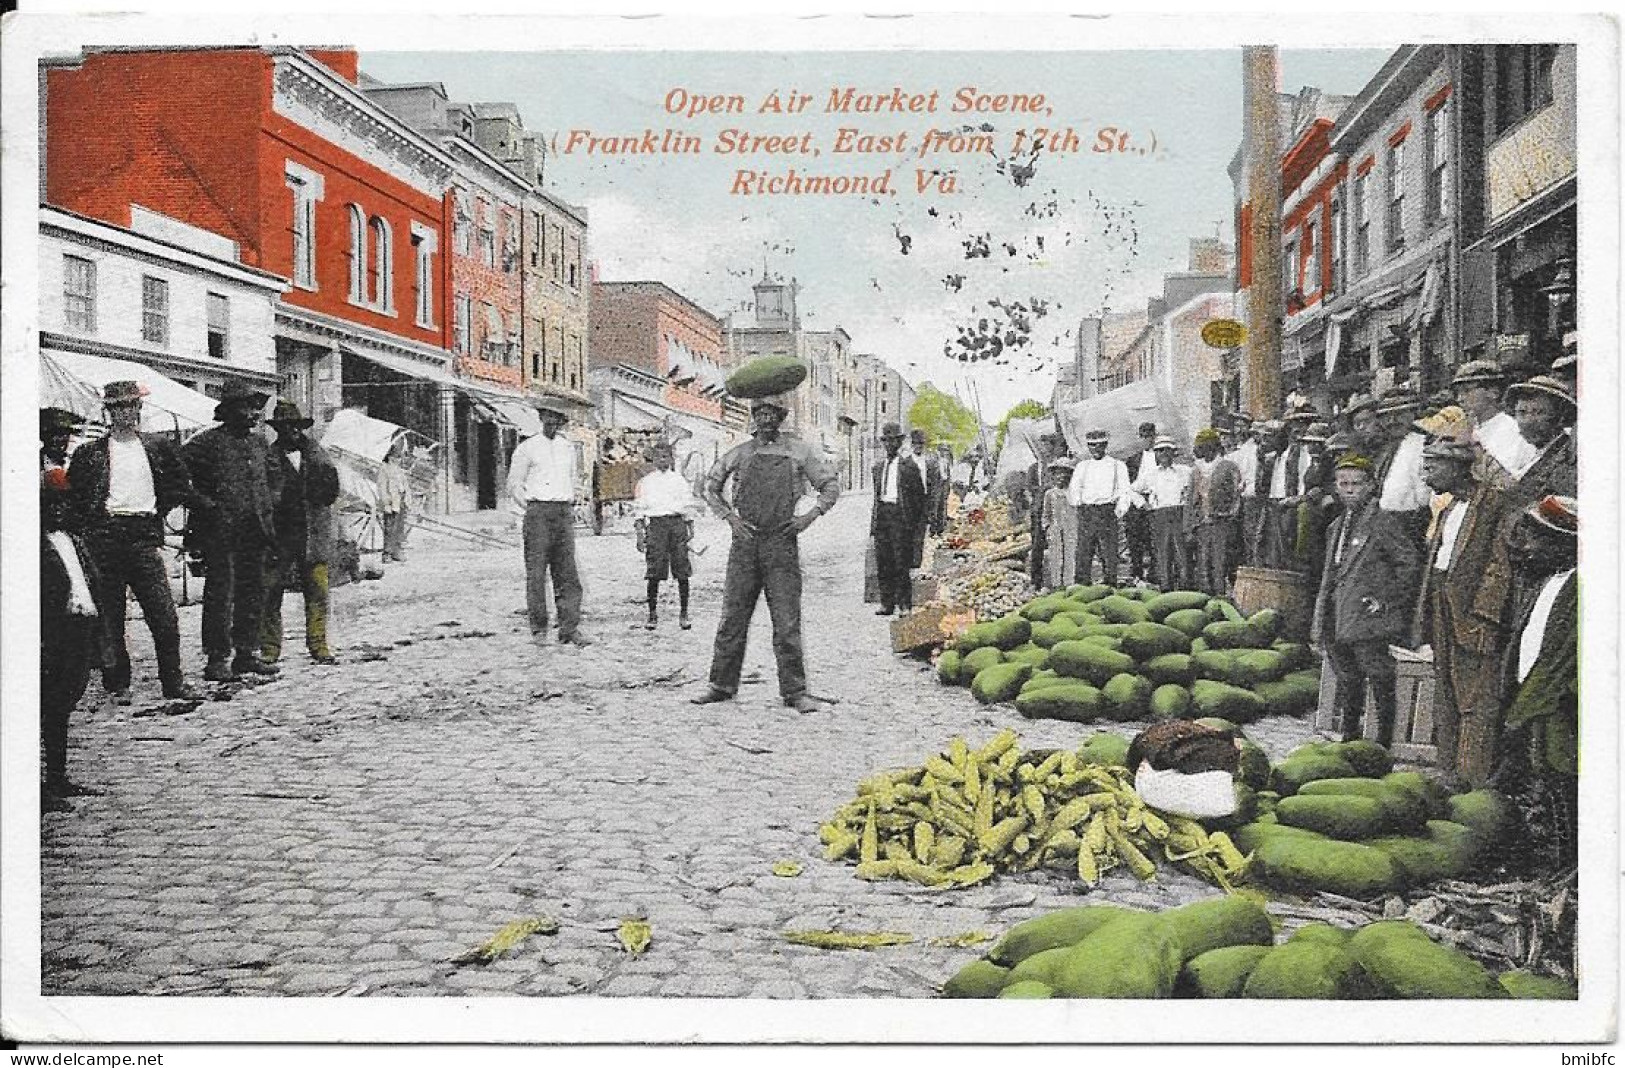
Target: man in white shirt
[[1164, 487], [665, 507], [1101, 491], [1245, 456], [1399, 465], [1478, 385], [542, 483], [1137, 524]]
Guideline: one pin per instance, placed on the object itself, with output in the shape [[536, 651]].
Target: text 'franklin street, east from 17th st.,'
[[927, 143]]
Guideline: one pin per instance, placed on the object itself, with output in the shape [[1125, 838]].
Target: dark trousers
[[550, 547], [1218, 546], [395, 536], [1168, 545], [66, 648], [1097, 531], [1143, 547], [771, 564], [1355, 664], [313, 585], [1252, 534], [894, 547], [233, 597], [127, 560]]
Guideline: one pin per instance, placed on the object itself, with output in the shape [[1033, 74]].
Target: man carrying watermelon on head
[[768, 473]]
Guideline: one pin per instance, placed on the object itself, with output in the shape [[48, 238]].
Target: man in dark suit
[[1545, 410], [1137, 524], [899, 507], [1462, 616], [926, 461], [1366, 592], [1050, 447], [304, 530], [231, 524], [120, 489]]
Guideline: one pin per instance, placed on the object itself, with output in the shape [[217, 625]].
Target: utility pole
[[1266, 297]]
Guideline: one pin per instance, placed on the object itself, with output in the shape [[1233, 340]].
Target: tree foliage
[[1027, 409], [944, 418]]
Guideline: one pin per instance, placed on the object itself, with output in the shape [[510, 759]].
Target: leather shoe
[[73, 789], [219, 671], [883, 611], [575, 639], [324, 658], [253, 665], [120, 698], [183, 692], [711, 697], [801, 703], [683, 622]]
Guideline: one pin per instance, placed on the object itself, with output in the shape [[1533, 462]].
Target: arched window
[[358, 256], [383, 274]]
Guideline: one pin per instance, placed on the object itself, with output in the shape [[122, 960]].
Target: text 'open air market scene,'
[[1160, 470]]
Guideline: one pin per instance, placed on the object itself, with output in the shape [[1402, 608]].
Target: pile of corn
[[968, 814]]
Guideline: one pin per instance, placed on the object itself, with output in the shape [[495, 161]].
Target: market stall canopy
[[1021, 444], [74, 381], [359, 434], [1120, 412]]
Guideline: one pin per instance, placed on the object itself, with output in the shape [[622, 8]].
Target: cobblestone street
[[353, 828]]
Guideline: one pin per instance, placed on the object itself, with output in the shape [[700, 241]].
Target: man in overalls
[[768, 474]]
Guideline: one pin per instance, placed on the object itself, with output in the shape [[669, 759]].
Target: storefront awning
[[635, 414], [509, 407], [74, 381]]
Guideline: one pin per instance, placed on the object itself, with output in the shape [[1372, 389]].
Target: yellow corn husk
[[929, 783], [1131, 820], [1063, 841], [971, 874], [786, 869], [969, 938], [895, 849], [1068, 765], [829, 832], [1073, 813], [1088, 866], [1032, 799], [841, 847], [956, 820], [843, 940], [1094, 836], [956, 798], [1141, 865], [948, 852], [892, 822], [1155, 825], [983, 822], [943, 771], [1049, 766], [1071, 780], [925, 836], [1002, 834], [920, 811], [874, 870], [912, 870], [973, 782], [1186, 826], [869, 849], [1021, 844], [1001, 743], [507, 938], [958, 752], [1101, 800], [1229, 856], [1007, 761], [1114, 821], [635, 935]]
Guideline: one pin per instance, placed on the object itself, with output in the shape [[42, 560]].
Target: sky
[[1067, 234]]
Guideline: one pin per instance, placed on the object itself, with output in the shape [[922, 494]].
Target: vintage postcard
[[1157, 443]]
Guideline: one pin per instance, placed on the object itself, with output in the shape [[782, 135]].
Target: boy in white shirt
[[665, 506]]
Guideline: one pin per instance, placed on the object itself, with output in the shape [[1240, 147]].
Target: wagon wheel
[[366, 530]]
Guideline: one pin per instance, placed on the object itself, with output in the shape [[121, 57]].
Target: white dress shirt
[[1245, 457], [1163, 487], [1449, 530], [1102, 481], [1500, 438], [129, 479], [664, 493], [1403, 490], [1535, 633], [543, 469], [1279, 490], [888, 480]]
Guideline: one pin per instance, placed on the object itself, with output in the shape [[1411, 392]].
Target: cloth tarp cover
[[1119, 413], [74, 381], [1021, 444], [358, 445]]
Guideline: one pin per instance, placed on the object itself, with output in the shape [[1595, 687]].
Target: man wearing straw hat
[[1364, 605], [1478, 386], [1401, 488], [309, 484], [1462, 614], [1058, 522], [1165, 488], [1545, 410], [1101, 491], [121, 488], [1214, 514], [231, 524], [542, 477]]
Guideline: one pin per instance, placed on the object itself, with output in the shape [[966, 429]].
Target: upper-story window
[[1311, 259], [79, 293], [358, 255], [488, 244], [219, 321], [540, 229], [307, 187], [462, 225], [462, 310], [1362, 222], [1523, 82], [1438, 149], [1336, 235], [424, 244], [383, 266], [573, 259], [1394, 229], [1289, 270], [154, 310]]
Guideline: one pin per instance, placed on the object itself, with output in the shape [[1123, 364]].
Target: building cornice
[[473, 161], [322, 325], [71, 226]]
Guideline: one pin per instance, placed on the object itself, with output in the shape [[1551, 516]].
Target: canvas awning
[[74, 381], [1119, 413], [508, 407]]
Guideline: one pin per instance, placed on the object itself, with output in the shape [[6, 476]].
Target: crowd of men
[[1446, 526], [259, 523]]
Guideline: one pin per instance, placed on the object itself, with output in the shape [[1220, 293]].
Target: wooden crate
[[1413, 718], [932, 625]]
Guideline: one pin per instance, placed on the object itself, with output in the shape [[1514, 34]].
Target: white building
[[162, 294]]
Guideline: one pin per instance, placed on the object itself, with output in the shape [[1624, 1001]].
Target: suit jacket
[[235, 487], [1479, 605], [89, 478], [1369, 595], [1555, 470], [910, 491], [304, 512]]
